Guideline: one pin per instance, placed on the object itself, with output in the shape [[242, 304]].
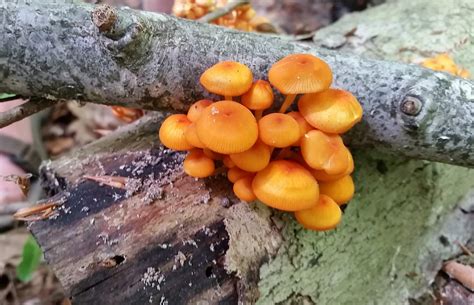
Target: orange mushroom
[[236, 173], [332, 110], [258, 98], [322, 176], [127, 115], [198, 165], [325, 151], [227, 78], [297, 74], [227, 127], [325, 215], [195, 110], [278, 130], [253, 160], [286, 185], [191, 136], [341, 190], [172, 132], [243, 189], [304, 126]]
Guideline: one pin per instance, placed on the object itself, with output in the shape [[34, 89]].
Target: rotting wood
[[153, 61], [166, 238]]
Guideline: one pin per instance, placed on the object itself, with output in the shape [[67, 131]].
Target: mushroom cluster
[[292, 161], [243, 18]]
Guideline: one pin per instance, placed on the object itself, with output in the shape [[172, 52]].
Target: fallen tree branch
[[222, 11], [153, 61], [24, 110]]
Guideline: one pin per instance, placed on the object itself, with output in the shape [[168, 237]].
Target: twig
[[221, 11], [462, 273], [24, 110], [464, 248], [12, 208]]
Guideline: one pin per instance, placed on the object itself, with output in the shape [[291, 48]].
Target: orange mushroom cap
[[304, 126], [278, 130], [227, 127], [325, 215], [324, 151], [172, 132], [194, 112], [253, 160], [286, 185], [259, 97], [198, 165], [322, 176], [300, 73], [332, 110], [228, 78], [191, 136], [341, 190], [243, 189], [236, 173]]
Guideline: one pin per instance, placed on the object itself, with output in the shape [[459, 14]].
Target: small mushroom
[[227, 78], [253, 160], [258, 98], [236, 173], [227, 127], [325, 151], [304, 126], [286, 185], [278, 130], [332, 110], [243, 189], [322, 176], [341, 190], [198, 165], [325, 215], [298, 74], [191, 136], [172, 132], [194, 112]]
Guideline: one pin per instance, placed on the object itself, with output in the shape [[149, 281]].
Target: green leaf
[[6, 95], [30, 260]]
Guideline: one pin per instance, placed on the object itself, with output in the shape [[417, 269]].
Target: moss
[[394, 235]]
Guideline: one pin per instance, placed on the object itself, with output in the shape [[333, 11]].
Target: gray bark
[[154, 61]]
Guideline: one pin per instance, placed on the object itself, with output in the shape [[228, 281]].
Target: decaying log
[[154, 61], [165, 239]]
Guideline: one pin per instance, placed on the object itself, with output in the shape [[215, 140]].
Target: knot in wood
[[411, 105], [104, 17]]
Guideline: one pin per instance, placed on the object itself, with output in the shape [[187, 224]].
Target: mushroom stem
[[228, 97], [288, 101], [258, 114]]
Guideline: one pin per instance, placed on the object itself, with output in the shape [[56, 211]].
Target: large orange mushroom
[[278, 130], [322, 176], [325, 215], [258, 98], [227, 78], [286, 185], [332, 110], [198, 165], [325, 152], [298, 74], [172, 132], [227, 127]]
